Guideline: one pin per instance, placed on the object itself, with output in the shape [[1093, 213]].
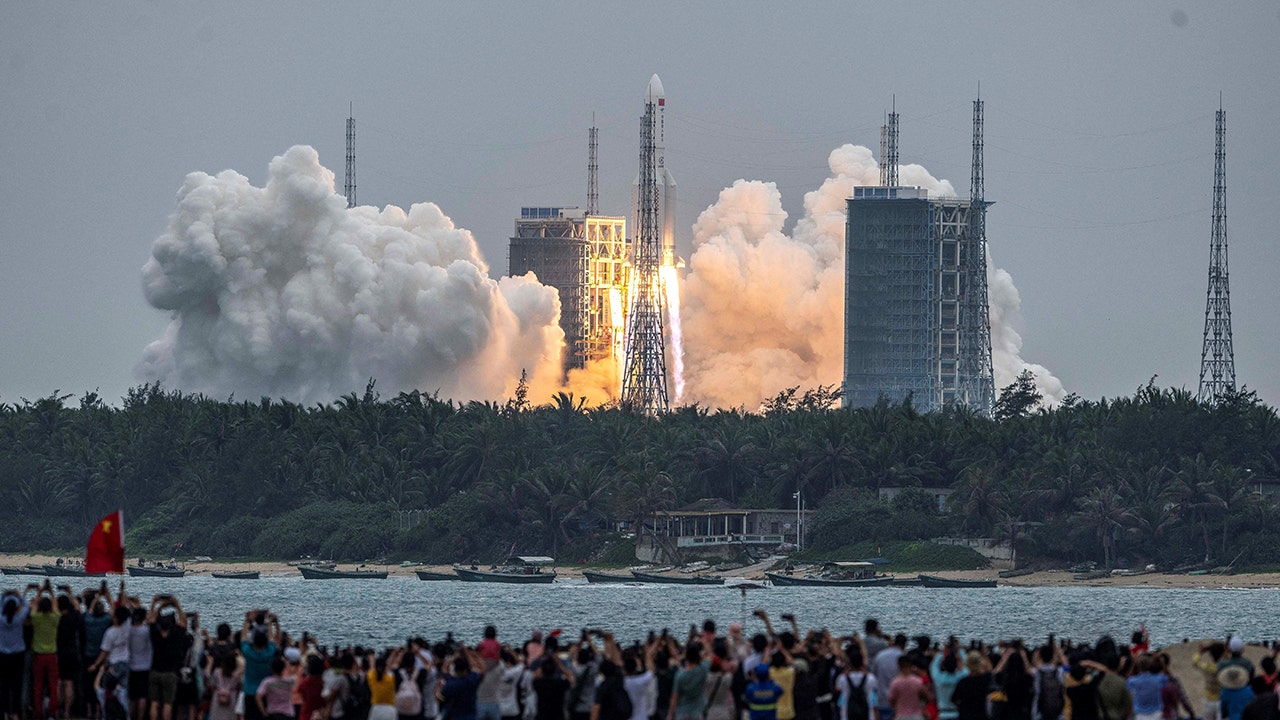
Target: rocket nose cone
[[655, 91]]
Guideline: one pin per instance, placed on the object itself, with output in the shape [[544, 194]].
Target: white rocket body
[[666, 184]]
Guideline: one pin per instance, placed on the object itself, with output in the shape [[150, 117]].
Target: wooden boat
[[933, 581], [782, 580], [906, 582], [155, 571], [677, 579], [312, 572], [1014, 573], [13, 571], [1094, 575], [521, 570], [428, 575], [237, 575], [69, 571], [601, 578], [836, 574]]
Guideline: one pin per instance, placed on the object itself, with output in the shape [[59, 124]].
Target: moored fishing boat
[[313, 572], [522, 570], [677, 579], [835, 574], [602, 578], [429, 575], [933, 581], [69, 571], [236, 575], [783, 580], [156, 570], [1014, 573]]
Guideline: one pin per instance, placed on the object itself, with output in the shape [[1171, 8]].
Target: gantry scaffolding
[[585, 258], [910, 262], [917, 322], [891, 305]]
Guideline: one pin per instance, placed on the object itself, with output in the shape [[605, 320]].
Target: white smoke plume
[[281, 291], [764, 311]]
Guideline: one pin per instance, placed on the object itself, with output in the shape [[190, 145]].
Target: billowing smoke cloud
[[282, 291], [764, 310]]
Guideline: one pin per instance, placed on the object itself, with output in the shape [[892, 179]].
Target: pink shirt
[[277, 695], [904, 696]]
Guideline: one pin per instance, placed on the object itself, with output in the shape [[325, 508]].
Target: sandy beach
[[1053, 578]]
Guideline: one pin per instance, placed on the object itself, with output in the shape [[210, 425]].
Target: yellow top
[[1205, 664], [44, 633], [382, 692], [786, 679]]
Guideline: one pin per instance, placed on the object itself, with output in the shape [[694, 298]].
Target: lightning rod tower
[[1217, 355], [977, 390], [593, 168], [644, 378], [350, 187], [891, 145], [884, 154]]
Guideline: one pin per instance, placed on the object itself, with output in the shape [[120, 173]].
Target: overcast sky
[[1099, 137]]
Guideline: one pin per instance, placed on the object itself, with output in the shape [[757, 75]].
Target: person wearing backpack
[[408, 699], [226, 682], [1049, 682], [359, 699], [856, 685]]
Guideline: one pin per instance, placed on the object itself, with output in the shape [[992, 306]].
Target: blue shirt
[[762, 699], [257, 665], [459, 695], [1146, 688], [95, 626], [11, 631], [944, 684]]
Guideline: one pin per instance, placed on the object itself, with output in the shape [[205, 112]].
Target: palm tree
[[1102, 511]]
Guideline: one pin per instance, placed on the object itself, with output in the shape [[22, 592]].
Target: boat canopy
[[535, 560], [851, 564]]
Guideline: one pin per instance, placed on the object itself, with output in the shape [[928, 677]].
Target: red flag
[[106, 546]]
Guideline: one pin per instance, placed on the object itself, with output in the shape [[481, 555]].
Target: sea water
[[385, 612]]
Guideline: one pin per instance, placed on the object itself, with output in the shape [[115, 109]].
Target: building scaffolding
[[585, 258], [917, 324]]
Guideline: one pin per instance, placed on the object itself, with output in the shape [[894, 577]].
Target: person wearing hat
[[1234, 674], [762, 695]]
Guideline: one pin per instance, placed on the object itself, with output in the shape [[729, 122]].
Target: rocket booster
[[655, 95]]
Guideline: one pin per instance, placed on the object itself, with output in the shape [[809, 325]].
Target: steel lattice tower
[[350, 187], [1217, 356], [890, 171], [644, 378], [593, 169], [977, 385], [884, 154]]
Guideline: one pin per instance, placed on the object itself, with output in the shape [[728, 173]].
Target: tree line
[[1155, 477]]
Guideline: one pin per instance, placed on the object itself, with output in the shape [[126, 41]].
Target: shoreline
[[1043, 578]]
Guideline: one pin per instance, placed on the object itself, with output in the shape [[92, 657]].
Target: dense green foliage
[[905, 556], [1157, 477]]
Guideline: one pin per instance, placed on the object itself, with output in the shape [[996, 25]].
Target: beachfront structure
[[916, 314], [584, 257], [724, 531]]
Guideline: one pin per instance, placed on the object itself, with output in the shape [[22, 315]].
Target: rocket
[[655, 95]]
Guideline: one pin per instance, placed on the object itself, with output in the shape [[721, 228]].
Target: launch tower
[[644, 376], [1217, 355], [350, 186], [916, 317]]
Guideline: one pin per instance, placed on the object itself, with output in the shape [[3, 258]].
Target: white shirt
[[847, 683], [638, 690], [116, 642]]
